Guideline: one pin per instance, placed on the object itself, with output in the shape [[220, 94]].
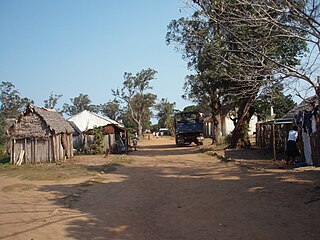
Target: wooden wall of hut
[[83, 141], [273, 138], [41, 150], [108, 141]]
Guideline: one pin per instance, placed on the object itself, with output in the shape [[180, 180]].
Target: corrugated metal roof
[[276, 122], [86, 120]]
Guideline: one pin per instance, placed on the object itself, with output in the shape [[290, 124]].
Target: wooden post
[[263, 139], [54, 148], [71, 144], [49, 149], [274, 141], [25, 150], [35, 151], [12, 152]]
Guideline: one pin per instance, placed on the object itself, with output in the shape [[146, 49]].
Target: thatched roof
[[53, 119], [39, 122], [306, 105]]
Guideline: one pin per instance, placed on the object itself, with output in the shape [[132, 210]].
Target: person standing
[[292, 148]]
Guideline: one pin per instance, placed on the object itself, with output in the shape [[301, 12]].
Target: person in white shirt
[[292, 148]]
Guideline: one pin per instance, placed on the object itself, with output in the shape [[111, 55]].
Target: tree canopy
[[52, 101], [136, 96], [238, 48], [79, 104], [111, 109], [12, 104], [165, 114]]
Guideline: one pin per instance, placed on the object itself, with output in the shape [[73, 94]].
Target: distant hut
[[40, 135], [114, 133], [307, 116], [273, 134]]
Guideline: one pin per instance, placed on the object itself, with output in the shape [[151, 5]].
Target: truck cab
[[188, 128]]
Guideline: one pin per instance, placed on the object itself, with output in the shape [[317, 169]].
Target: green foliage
[[134, 93], [111, 109], [165, 115], [79, 104], [165, 112], [2, 135], [227, 139], [52, 101], [236, 52], [155, 128], [12, 105], [275, 98], [97, 147], [195, 108], [11, 102]]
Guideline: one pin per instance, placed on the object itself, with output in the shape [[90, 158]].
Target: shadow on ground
[[204, 200], [167, 149]]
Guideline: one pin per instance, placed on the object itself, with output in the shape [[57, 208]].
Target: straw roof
[[306, 105], [39, 122], [53, 119]]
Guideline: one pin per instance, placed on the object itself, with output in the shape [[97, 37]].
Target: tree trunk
[[215, 111], [215, 130], [140, 130], [243, 114]]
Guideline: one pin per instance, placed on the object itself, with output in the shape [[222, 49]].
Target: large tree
[[273, 98], [234, 53], [111, 109], [134, 94], [165, 114], [79, 104], [52, 101], [12, 104]]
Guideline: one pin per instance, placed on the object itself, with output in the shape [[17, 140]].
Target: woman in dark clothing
[[292, 148]]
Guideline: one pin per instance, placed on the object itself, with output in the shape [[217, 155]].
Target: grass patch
[[18, 187], [4, 159], [45, 171], [54, 172]]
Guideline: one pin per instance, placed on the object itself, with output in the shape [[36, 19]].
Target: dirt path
[[167, 193]]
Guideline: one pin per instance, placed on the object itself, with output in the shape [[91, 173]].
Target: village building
[[272, 135], [39, 135], [226, 124], [114, 134]]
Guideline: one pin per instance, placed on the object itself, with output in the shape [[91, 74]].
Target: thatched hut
[[40, 135]]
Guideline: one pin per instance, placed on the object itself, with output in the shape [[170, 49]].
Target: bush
[[227, 139]]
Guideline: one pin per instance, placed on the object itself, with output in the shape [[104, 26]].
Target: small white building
[[226, 125], [85, 121]]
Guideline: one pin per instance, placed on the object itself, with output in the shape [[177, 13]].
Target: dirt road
[[166, 193]]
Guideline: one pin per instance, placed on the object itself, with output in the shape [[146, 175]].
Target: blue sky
[[84, 46]]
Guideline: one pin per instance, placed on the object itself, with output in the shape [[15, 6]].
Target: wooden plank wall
[[106, 142], [41, 150]]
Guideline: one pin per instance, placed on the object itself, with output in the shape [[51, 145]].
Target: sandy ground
[[168, 193]]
